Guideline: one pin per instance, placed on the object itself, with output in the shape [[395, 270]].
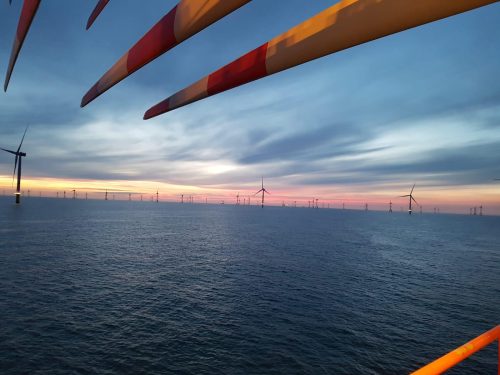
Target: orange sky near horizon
[[453, 199]]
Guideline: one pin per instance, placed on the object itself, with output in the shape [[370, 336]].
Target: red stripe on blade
[[159, 39], [247, 68]]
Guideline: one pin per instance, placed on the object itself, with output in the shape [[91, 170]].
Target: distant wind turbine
[[263, 190], [411, 198], [390, 206], [19, 156]]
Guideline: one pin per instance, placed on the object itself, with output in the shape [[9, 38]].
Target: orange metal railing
[[449, 360]]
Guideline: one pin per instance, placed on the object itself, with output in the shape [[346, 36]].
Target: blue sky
[[419, 106]]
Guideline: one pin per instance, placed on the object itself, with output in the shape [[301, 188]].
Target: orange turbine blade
[[186, 19], [346, 24], [27, 14]]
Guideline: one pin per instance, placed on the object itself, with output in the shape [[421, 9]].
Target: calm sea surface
[[95, 287]]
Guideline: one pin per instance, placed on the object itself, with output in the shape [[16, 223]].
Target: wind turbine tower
[[156, 196], [410, 198], [262, 190], [74, 194], [106, 195], [390, 206], [19, 157]]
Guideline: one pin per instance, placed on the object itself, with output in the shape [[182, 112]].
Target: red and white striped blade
[[345, 24], [95, 13], [186, 19], [27, 14]]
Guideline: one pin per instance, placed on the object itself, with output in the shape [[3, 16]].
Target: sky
[[359, 126]]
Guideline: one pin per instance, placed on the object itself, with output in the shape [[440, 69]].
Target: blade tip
[[90, 95], [158, 109]]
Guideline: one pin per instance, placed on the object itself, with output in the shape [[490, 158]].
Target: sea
[[119, 287]]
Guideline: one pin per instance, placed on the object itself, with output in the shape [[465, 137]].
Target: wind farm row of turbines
[[314, 203], [241, 200]]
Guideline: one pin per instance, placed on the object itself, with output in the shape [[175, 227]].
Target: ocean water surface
[[118, 287]]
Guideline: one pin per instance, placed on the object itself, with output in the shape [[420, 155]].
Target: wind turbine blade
[[22, 139], [186, 19], [12, 152], [415, 201], [402, 196], [27, 14], [258, 192], [15, 166], [95, 13], [346, 24], [411, 192], [265, 191]]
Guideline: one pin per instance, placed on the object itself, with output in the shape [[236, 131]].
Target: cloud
[[420, 105]]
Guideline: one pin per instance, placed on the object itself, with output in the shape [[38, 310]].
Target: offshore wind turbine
[[410, 198], [19, 157], [262, 190]]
